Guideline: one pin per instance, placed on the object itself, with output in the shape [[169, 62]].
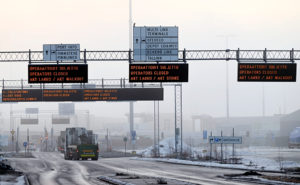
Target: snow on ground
[[166, 148], [206, 163], [7, 180], [264, 181], [252, 158]]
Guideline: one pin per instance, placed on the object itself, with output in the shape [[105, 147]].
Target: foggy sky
[[103, 25]]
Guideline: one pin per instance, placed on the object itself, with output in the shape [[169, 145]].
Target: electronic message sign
[[117, 94], [267, 72], [158, 73], [57, 73], [155, 43]]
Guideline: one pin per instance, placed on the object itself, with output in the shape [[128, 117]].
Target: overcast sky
[[103, 25]]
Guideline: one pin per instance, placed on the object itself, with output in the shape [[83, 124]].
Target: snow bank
[[167, 147], [19, 181], [252, 158]]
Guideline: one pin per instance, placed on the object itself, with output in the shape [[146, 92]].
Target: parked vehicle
[[294, 139], [31, 147], [61, 142]]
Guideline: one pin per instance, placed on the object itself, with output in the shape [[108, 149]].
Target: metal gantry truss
[[280, 56], [178, 118], [183, 56], [156, 130]]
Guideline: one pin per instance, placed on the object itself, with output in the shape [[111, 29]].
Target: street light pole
[[227, 73]]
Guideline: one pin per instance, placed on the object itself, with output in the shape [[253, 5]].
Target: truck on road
[[80, 144]]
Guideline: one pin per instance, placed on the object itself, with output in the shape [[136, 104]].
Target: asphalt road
[[52, 169]]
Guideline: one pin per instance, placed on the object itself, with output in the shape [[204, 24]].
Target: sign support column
[[221, 148], [233, 144], [210, 153], [178, 117]]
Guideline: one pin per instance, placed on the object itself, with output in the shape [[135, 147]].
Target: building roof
[[294, 116]]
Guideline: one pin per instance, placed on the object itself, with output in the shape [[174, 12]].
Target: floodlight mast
[[131, 107]]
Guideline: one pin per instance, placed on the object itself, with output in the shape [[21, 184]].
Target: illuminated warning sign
[[21, 95], [58, 73], [118, 94], [268, 72], [158, 73]]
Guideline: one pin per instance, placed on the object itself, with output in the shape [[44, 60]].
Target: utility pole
[[88, 119], [107, 148], [233, 144], [154, 137], [227, 91], [210, 152], [158, 129], [227, 71], [46, 138], [221, 147], [17, 142], [130, 24], [125, 141], [181, 129], [27, 139], [175, 120], [52, 143], [263, 100], [11, 127], [131, 106]]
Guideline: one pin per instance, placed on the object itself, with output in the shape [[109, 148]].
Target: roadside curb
[[113, 181]]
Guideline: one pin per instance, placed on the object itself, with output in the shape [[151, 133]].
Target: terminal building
[[267, 130]]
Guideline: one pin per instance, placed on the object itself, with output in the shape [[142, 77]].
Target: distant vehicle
[[61, 142], [294, 139], [31, 147], [80, 144]]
